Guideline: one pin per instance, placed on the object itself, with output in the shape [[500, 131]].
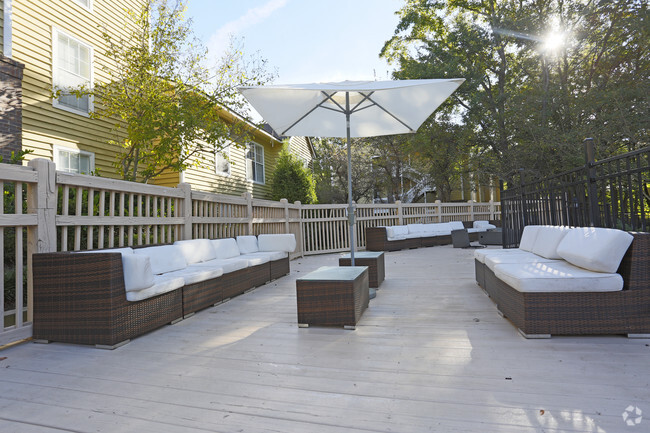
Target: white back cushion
[[165, 258], [596, 249], [456, 225], [390, 232], [225, 248], [415, 228], [400, 230], [548, 238], [196, 250], [137, 272], [247, 244], [528, 238], [279, 242]]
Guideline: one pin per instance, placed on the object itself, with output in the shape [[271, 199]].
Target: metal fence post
[[592, 191]]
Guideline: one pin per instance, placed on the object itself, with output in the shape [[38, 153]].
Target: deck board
[[429, 354]]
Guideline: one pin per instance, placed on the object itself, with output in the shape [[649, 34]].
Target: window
[[88, 4], [74, 161], [255, 163], [222, 161], [71, 67]]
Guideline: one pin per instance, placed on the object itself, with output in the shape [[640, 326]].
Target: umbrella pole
[[350, 207]]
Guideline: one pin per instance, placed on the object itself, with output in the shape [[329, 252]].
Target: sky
[[303, 40]]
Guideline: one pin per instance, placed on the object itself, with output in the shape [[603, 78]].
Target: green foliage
[[167, 106], [291, 180], [524, 104], [17, 157]]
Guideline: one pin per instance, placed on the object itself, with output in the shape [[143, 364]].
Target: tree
[[291, 180], [331, 170], [526, 102], [166, 104]]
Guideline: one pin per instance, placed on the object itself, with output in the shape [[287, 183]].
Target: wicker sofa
[[578, 281], [394, 238], [107, 297]]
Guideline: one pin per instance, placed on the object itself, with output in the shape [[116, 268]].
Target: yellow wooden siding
[[300, 148], [203, 177], [43, 125]]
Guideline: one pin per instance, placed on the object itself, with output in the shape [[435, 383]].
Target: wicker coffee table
[[375, 262], [332, 296]]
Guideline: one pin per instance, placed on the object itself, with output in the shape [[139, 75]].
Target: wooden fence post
[[471, 209], [187, 210], [299, 241], [285, 203], [400, 216], [249, 211], [492, 213], [439, 206], [41, 200]]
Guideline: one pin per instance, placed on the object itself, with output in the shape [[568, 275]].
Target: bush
[[291, 180]]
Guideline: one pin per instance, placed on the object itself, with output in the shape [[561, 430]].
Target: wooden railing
[[44, 210]]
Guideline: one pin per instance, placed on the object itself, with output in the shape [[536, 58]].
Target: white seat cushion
[[272, 255], [528, 238], [277, 242], [396, 238], [484, 225], [597, 249], [556, 276], [225, 248], [196, 250], [482, 254], [137, 272], [162, 284], [247, 244], [165, 258], [196, 274], [256, 259], [526, 258], [547, 240], [227, 265]]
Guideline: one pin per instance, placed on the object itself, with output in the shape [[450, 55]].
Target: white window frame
[[55, 55], [258, 150], [88, 7], [225, 154], [57, 158]]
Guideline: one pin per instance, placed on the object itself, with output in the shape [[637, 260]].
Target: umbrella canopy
[[376, 107], [350, 109]]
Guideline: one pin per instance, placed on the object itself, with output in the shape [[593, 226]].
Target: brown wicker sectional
[[542, 314], [377, 239], [81, 298]]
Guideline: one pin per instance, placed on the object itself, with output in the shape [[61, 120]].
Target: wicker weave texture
[[80, 298], [332, 303], [279, 268], [376, 268], [570, 313]]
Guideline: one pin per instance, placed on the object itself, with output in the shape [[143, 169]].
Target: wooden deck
[[429, 354]]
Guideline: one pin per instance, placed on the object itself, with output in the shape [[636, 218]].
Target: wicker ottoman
[[332, 296], [375, 262]]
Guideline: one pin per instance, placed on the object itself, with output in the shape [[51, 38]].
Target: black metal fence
[[614, 192]]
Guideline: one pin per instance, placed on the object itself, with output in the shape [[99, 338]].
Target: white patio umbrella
[[349, 109]]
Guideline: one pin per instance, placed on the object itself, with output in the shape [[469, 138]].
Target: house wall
[[11, 74], [300, 147], [43, 125], [203, 177]]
